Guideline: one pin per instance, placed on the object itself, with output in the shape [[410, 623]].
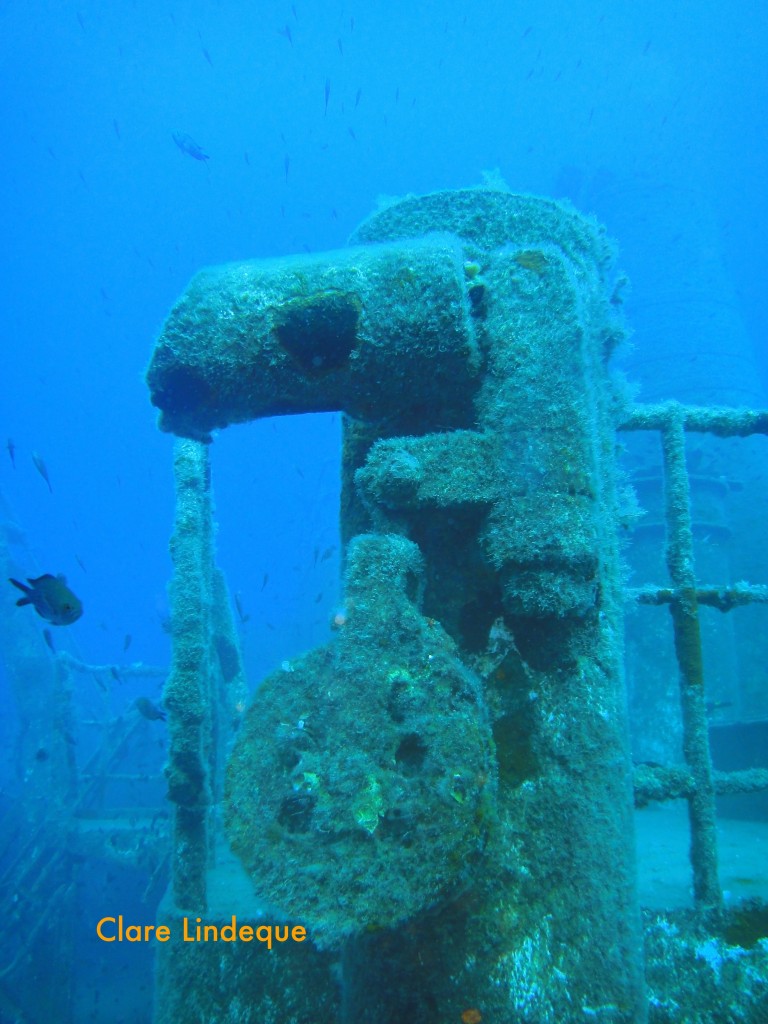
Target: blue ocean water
[[649, 116]]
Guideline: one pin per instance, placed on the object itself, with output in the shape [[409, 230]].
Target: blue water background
[[104, 221]]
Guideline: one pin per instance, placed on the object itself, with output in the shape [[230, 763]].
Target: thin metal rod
[[723, 421], [687, 631], [722, 598], [656, 783]]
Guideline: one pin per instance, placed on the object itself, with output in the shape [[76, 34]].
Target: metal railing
[[696, 781]]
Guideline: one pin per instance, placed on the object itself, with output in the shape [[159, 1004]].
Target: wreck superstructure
[[443, 794]]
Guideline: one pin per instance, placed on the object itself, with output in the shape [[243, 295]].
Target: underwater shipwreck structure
[[443, 795], [80, 806]]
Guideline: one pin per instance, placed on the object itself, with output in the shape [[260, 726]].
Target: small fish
[[239, 605], [49, 640], [52, 599], [358, 94], [127, 641], [81, 563], [286, 32], [148, 710], [116, 126], [327, 93], [113, 671], [41, 754], [339, 44], [207, 56], [42, 469], [188, 145], [11, 451], [286, 166], [265, 580]]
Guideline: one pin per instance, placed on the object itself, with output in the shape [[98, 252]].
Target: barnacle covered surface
[[360, 790], [445, 790]]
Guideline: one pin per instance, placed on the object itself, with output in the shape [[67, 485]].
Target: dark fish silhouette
[[42, 469], [240, 611], [188, 145], [51, 598], [11, 451], [148, 710], [327, 94]]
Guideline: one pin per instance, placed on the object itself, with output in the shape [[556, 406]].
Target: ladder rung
[[722, 598]]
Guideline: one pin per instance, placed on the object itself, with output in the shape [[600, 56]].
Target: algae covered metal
[[442, 794], [371, 760]]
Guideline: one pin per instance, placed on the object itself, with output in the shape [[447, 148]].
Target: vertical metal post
[[188, 692], [687, 632]]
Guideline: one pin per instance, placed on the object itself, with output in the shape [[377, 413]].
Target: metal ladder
[[697, 782]]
